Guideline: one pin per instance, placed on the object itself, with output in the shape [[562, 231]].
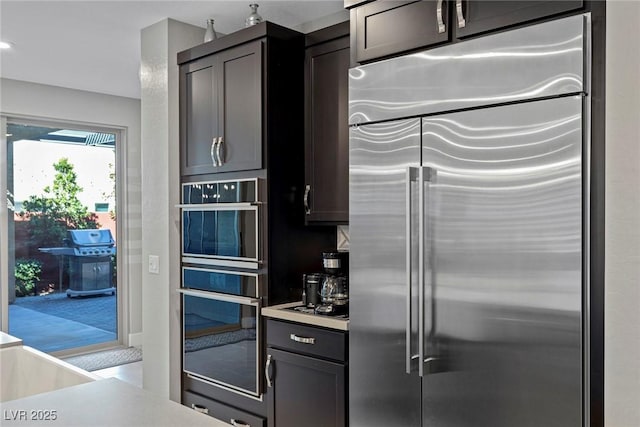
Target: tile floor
[[53, 322]]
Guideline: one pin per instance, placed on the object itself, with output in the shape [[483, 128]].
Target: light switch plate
[[154, 264]]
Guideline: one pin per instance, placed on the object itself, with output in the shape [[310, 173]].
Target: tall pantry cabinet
[[242, 118]]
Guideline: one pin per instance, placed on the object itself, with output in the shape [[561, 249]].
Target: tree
[[58, 209], [111, 195]]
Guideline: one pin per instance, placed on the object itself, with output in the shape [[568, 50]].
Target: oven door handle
[[220, 297], [218, 206]]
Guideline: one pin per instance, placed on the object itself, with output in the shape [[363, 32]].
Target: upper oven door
[[221, 223]]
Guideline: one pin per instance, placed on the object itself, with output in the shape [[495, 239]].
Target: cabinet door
[[477, 16], [240, 108], [386, 28], [327, 132], [305, 391], [198, 115]]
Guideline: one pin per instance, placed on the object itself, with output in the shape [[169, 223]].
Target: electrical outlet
[[154, 264]]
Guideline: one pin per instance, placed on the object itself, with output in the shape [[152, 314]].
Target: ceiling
[[95, 45]]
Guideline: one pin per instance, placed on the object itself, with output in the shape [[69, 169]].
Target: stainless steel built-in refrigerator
[[468, 233]]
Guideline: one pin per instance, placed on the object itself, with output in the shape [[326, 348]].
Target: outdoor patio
[[54, 322]]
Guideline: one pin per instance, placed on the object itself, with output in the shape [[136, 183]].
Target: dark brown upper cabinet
[[221, 111], [326, 196], [386, 27], [473, 17]]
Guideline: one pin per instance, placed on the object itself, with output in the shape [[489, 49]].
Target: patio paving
[[54, 322]]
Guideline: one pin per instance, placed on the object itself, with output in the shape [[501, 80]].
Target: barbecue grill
[[90, 266]]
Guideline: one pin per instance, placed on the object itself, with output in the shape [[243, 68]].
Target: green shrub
[[27, 275]]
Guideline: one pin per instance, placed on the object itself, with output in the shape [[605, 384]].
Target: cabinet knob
[[237, 423]]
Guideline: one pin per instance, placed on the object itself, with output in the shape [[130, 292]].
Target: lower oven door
[[221, 337]]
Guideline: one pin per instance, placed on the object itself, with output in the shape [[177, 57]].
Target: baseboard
[[135, 340]]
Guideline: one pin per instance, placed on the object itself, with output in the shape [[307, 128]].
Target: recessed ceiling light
[[5, 45]]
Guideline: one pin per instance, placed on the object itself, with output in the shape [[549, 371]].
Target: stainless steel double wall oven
[[222, 288]]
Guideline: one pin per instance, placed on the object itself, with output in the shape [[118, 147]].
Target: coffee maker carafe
[[334, 295]]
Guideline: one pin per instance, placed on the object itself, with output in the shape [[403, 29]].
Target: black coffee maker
[[334, 294]]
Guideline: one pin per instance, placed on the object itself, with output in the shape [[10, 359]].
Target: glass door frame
[[122, 300]]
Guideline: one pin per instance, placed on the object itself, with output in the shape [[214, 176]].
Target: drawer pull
[[200, 408], [303, 340], [237, 423]]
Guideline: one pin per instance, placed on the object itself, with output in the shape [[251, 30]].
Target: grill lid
[[85, 238]]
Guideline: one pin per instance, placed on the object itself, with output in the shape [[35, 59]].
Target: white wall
[[326, 21], [37, 101], [160, 182], [622, 231]]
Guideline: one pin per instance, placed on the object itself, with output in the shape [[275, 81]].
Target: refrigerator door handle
[[411, 176], [425, 175]]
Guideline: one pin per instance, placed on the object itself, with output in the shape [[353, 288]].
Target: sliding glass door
[[60, 290]]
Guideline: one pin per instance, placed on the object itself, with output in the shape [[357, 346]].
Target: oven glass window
[[220, 233], [220, 342]]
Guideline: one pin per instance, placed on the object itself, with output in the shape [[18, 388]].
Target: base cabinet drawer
[[228, 414], [309, 340]]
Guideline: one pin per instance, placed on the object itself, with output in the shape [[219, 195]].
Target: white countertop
[[279, 312], [107, 402], [7, 340]]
